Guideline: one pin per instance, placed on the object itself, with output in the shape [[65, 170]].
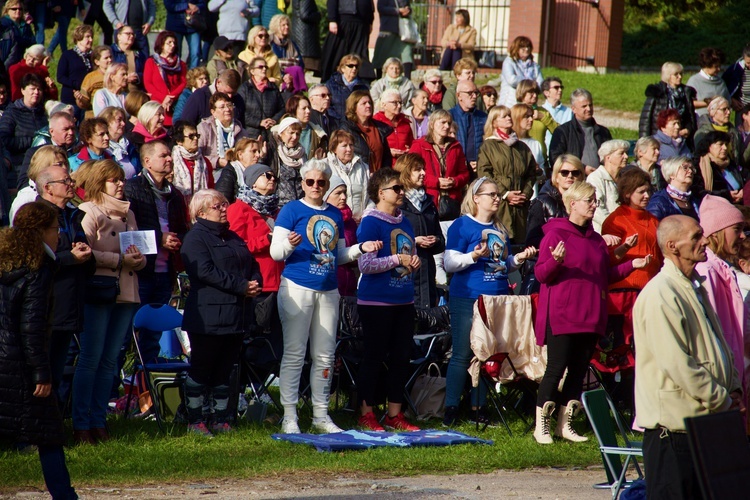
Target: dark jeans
[[450, 58], [669, 466], [213, 357], [153, 288], [96, 14], [59, 345], [387, 332], [55, 472], [572, 351]]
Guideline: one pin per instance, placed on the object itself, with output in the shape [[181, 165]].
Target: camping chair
[[606, 423], [720, 453], [507, 361], [260, 364], [164, 380], [349, 349]]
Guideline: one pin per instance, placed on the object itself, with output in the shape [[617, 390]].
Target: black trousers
[[213, 357], [670, 473], [573, 352], [388, 332]]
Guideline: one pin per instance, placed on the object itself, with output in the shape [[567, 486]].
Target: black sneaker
[[481, 417], [451, 415]]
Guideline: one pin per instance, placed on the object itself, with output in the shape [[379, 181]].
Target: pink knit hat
[[717, 213]]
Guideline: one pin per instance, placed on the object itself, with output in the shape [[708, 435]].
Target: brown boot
[[83, 437], [100, 434]]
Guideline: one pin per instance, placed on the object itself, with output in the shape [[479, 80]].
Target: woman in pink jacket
[[574, 270]]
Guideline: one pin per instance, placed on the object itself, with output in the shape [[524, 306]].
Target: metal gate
[[488, 17]]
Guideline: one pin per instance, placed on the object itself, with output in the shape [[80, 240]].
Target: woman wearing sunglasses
[[547, 205], [192, 170], [308, 236], [478, 254], [286, 156], [259, 45], [224, 276]]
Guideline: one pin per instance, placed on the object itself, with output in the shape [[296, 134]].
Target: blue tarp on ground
[[362, 440]]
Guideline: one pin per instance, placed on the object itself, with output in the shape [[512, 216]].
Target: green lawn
[[140, 455]]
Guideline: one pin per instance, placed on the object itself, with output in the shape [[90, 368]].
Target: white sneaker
[[290, 426], [325, 425]]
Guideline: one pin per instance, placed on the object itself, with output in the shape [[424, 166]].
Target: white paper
[[144, 240]]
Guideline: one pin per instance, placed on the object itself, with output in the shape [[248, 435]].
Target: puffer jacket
[[425, 222], [18, 125], [547, 205], [305, 28], [143, 205], [661, 205], [339, 93], [259, 106], [657, 101], [25, 308], [15, 38]]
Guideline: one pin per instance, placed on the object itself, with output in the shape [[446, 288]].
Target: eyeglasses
[[128, 33], [686, 167], [220, 206], [570, 173], [397, 103], [67, 181], [352, 65], [493, 194], [397, 188], [226, 107], [260, 67], [589, 201], [470, 92], [314, 182], [116, 181], [435, 82], [557, 87], [193, 137]]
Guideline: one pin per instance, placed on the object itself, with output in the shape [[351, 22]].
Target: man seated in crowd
[[197, 107]]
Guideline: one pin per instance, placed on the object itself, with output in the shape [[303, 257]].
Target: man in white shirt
[[552, 88]]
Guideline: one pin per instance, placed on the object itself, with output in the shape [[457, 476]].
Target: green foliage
[[678, 32]]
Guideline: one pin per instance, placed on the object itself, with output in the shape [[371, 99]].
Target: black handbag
[[448, 208], [102, 290], [196, 21]]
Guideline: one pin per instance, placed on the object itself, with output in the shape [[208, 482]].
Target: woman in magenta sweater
[[575, 273]]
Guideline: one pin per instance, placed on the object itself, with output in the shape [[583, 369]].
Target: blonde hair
[[578, 191], [201, 201], [518, 112], [562, 160], [496, 112], [275, 23], [469, 206], [252, 34], [44, 157], [148, 111]]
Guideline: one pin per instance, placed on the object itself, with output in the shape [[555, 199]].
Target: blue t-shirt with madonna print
[[313, 262], [488, 275]]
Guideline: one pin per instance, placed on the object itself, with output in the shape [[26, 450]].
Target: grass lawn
[[139, 455]]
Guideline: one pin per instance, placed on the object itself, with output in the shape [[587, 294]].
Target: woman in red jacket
[[391, 114], [252, 217], [164, 75], [446, 173], [575, 272]]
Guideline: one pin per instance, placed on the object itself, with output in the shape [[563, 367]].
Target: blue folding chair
[[160, 376]]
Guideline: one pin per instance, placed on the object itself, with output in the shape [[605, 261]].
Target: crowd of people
[[277, 195]]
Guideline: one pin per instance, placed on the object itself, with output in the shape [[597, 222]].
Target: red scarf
[[261, 86], [502, 135]]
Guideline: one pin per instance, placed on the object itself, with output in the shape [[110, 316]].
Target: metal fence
[[488, 17]]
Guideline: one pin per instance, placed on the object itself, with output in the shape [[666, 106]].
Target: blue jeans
[[104, 328], [61, 35], [462, 311], [55, 472], [153, 288], [194, 48]]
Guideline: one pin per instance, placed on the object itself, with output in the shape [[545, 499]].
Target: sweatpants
[[314, 315]]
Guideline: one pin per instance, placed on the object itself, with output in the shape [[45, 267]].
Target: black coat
[[219, 266], [306, 28], [25, 307], [328, 125], [72, 276], [425, 222], [259, 106], [361, 148], [197, 108], [570, 138], [227, 184], [143, 204], [656, 101], [18, 125], [389, 14], [546, 206]]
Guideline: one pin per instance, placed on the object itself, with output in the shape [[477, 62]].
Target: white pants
[[307, 313]]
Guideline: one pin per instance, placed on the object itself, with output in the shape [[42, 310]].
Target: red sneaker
[[399, 423], [369, 422]]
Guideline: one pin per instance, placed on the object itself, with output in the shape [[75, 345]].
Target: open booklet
[[144, 240]]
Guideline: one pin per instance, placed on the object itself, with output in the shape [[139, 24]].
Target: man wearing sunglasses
[[320, 102], [470, 120], [552, 88]]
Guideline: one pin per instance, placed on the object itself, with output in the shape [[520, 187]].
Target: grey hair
[[393, 60], [432, 73], [670, 166], [46, 176], [644, 142], [148, 111], [36, 50], [668, 69], [610, 147], [389, 92], [419, 92], [316, 87], [315, 164], [202, 200], [578, 93]]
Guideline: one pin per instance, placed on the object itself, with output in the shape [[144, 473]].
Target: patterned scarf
[[265, 205], [220, 131], [333, 160], [416, 197], [182, 178], [165, 66], [85, 57], [673, 192], [676, 98], [291, 157]]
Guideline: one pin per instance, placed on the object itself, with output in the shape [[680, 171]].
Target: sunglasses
[[397, 188], [352, 65], [319, 182], [269, 176], [570, 173], [262, 35], [193, 137], [322, 96], [260, 67], [557, 87], [435, 82]]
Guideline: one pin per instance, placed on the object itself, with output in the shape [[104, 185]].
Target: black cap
[[222, 43]]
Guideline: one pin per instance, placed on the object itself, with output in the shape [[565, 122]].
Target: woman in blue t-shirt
[[308, 236], [478, 254], [385, 300]]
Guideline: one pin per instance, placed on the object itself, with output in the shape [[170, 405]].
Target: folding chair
[[349, 351], [606, 423], [260, 363], [505, 353], [721, 454], [164, 380]]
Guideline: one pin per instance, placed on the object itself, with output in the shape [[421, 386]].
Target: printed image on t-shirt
[[401, 243], [495, 266], [323, 234]]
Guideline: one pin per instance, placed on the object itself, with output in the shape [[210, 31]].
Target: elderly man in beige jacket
[[683, 366]]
